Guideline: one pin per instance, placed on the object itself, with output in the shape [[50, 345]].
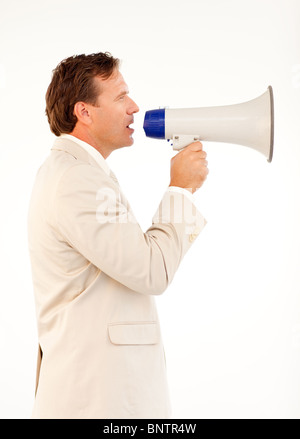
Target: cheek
[[108, 123], [112, 123], [117, 121], [114, 126]]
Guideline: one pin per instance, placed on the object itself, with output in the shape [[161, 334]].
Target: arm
[[104, 230]]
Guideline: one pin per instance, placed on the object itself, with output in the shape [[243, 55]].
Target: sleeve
[[93, 216], [182, 191]]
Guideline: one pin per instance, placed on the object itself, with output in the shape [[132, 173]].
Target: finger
[[202, 154], [196, 146]]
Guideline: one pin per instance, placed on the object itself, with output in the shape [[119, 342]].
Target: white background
[[231, 317]]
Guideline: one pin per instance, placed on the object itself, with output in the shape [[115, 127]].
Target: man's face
[[113, 113]]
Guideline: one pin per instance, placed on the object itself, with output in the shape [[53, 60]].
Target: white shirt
[[102, 162]]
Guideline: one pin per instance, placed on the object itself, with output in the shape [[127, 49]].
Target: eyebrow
[[124, 92]]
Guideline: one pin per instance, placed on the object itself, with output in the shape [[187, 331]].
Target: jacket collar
[[79, 153], [72, 148]]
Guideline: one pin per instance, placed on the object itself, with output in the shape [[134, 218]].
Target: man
[[94, 271]]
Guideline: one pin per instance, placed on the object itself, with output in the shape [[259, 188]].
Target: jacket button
[[192, 237]]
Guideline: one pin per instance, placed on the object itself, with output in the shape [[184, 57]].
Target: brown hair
[[73, 81]]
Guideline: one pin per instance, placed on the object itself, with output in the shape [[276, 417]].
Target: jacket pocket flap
[[133, 333]]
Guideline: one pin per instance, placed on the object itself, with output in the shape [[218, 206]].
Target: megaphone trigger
[[180, 141]]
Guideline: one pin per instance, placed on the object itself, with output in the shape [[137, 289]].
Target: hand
[[189, 167]]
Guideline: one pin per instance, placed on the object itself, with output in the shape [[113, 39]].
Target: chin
[[130, 142], [123, 143]]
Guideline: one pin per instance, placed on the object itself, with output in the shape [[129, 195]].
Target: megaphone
[[249, 124]]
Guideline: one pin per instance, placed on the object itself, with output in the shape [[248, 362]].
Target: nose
[[132, 107]]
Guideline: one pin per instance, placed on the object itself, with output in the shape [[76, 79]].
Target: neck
[[88, 138]]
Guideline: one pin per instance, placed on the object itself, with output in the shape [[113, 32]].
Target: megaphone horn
[[249, 124]]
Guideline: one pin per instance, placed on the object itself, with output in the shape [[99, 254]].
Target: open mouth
[[129, 127]]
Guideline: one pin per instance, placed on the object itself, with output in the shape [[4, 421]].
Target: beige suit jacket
[[95, 274]]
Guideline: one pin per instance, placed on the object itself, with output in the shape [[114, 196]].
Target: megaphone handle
[[180, 141]]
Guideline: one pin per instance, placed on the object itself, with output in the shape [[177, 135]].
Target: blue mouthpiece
[[154, 124]]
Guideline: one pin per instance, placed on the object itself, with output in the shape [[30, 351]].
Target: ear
[[82, 112]]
